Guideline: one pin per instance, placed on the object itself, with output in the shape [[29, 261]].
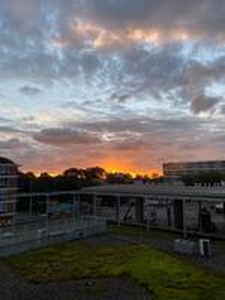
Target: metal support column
[[147, 214], [139, 210], [78, 205], [14, 214], [199, 215], [184, 220], [168, 208], [74, 211], [118, 210], [178, 213], [47, 214], [94, 209], [74, 207], [30, 205]]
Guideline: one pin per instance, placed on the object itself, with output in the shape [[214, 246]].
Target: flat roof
[[163, 191], [194, 162], [4, 160]]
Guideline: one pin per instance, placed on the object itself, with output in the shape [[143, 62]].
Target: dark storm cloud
[[203, 104]]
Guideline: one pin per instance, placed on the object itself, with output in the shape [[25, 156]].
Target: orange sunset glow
[[108, 166], [126, 85], [104, 38]]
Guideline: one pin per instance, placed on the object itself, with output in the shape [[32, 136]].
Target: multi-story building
[[176, 170], [8, 189]]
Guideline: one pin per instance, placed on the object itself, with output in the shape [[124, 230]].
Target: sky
[[122, 84]]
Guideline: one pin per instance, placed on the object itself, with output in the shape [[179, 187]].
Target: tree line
[[73, 179]]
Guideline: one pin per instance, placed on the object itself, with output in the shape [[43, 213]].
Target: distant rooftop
[[4, 160], [194, 162]]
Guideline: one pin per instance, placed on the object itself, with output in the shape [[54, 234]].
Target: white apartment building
[[179, 169], [8, 189]]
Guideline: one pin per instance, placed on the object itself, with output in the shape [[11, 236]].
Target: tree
[[119, 178], [95, 173]]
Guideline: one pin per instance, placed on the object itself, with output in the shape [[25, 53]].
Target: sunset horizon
[[115, 170], [126, 85]]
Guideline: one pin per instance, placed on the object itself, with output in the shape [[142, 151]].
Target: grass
[[164, 276], [143, 232]]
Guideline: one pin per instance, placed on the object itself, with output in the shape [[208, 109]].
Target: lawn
[[166, 277], [143, 232]]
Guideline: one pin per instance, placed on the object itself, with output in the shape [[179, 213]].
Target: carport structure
[[40, 219], [187, 209]]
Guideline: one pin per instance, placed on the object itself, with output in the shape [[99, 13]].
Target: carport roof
[[161, 191]]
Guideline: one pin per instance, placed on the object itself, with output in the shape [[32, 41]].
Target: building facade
[[8, 189], [176, 170]]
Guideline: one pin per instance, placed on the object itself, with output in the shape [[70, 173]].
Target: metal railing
[[24, 237]]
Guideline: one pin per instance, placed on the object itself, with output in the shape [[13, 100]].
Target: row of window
[[8, 170]]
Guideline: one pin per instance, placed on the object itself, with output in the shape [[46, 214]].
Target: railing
[[24, 237]]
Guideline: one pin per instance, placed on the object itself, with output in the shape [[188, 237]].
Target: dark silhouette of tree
[[119, 178], [25, 181], [73, 179], [44, 183], [76, 173], [95, 173]]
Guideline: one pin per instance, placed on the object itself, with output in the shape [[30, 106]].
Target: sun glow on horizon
[[108, 169]]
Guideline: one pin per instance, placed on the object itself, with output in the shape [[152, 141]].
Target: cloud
[[30, 90], [12, 144], [133, 144], [7, 129], [203, 104], [62, 137], [120, 98], [116, 63], [39, 29], [202, 18]]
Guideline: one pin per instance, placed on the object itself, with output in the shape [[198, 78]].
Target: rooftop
[[149, 190], [4, 160]]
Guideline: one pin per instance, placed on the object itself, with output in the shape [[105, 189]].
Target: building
[[176, 170], [8, 189]]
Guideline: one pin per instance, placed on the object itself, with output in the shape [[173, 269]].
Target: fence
[[20, 238]]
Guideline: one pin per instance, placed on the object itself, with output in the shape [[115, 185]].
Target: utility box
[[205, 248]]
